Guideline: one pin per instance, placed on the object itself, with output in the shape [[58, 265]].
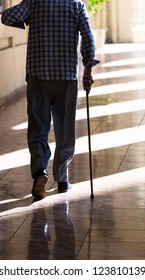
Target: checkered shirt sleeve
[[87, 41], [17, 15]]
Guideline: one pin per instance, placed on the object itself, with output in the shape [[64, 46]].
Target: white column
[[119, 20]]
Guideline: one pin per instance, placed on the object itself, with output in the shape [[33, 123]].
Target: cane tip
[[92, 196]]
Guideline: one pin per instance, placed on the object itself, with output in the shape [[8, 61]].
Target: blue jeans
[[57, 99]]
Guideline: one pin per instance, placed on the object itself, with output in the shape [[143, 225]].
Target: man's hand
[[87, 78]]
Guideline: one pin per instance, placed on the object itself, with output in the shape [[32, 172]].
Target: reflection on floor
[[71, 225]]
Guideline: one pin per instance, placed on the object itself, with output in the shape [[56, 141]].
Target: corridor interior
[[71, 226]]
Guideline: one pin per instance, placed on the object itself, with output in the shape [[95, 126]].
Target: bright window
[[138, 13]]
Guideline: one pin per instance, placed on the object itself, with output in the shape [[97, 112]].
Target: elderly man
[[51, 75]]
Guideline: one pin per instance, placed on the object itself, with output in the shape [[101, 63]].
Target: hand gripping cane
[[89, 141]]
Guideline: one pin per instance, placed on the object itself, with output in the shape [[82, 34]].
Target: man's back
[[53, 38], [54, 26]]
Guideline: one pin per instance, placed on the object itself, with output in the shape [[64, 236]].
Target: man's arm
[[17, 15], [87, 48]]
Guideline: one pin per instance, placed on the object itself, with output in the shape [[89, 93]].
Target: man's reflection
[[64, 247], [54, 241], [38, 248]]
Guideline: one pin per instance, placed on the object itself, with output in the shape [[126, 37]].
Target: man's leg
[[64, 110], [39, 119]]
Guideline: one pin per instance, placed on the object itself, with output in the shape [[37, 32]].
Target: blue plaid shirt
[[54, 27]]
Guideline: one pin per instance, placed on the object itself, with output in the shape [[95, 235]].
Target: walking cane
[[89, 142]]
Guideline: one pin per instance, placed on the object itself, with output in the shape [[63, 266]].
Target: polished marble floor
[[71, 226]]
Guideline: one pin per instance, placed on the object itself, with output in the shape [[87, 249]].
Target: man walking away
[[51, 75]]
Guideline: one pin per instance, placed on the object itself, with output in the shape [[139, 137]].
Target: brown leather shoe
[[38, 189], [64, 186]]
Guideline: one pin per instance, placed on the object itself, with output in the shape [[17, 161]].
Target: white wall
[[12, 58]]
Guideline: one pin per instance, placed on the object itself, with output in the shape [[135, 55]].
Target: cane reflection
[[64, 247]]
